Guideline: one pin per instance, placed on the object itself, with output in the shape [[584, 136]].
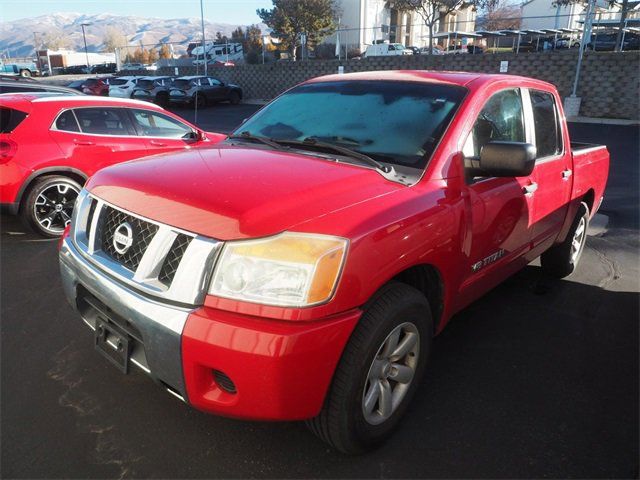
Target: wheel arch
[[73, 173], [589, 199], [425, 278]]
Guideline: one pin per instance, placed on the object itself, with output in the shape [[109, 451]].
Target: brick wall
[[609, 82]]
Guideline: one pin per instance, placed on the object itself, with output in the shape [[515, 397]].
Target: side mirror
[[195, 135], [507, 159]]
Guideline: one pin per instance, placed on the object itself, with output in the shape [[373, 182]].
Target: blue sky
[[223, 11]]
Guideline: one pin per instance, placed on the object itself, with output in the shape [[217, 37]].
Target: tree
[[153, 56], [500, 16], [56, 39], [220, 38], [165, 51], [237, 36], [431, 11], [113, 38], [289, 19]]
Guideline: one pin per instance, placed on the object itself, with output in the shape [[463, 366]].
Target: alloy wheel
[[391, 373], [577, 243], [54, 206]]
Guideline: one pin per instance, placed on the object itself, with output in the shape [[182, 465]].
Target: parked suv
[[76, 136], [203, 91], [607, 41], [122, 87], [153, 89], [96, 86]]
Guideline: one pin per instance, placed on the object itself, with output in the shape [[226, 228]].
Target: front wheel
[[561, 260], [378, 373], [234, 98], [49, 205], [25, 73]]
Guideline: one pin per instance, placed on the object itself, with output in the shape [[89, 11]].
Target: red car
[[50, 146], [96, 86], [300, 268]]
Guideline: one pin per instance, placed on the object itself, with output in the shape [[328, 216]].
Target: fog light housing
[[224, 382]]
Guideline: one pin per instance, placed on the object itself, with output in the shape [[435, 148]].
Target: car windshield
[[183, 84], [393, 122]]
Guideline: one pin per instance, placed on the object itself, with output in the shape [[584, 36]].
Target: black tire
[[41, 203], [341, 422], [199, 100], [561, 260], [234, 98], [162, 100]]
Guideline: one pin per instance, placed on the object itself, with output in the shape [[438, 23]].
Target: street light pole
[[35, 48], [204, 48], [84, 36]]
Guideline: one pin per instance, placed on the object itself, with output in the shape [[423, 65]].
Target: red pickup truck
[[300, 268]]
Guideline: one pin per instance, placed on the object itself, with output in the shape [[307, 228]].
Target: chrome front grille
[[159, 260], [143, 233]]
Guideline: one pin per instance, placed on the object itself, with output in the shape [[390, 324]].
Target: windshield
[[393, 122], [182, 84]]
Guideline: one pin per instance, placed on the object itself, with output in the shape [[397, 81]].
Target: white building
[[363, 22]]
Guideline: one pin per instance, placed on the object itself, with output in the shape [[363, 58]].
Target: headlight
[[289, 270]]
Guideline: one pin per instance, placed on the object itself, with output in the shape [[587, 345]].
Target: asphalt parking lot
[[537, 379]]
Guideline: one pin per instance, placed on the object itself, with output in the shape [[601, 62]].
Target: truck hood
[[229, 192]]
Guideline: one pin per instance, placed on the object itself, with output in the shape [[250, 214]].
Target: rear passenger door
[[92, 138], [552, 173]]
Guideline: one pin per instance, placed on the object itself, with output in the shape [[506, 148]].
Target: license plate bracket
[[113, 344]]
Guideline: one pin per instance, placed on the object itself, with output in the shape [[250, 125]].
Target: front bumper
[[281, 370], [160, 325]]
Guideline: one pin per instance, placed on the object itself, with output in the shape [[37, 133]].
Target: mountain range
[[64, 30]]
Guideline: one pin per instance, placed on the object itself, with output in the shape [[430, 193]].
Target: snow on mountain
[[16, 37]]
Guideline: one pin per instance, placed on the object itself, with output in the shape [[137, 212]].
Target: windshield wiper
[[347, 152], [247, 136]]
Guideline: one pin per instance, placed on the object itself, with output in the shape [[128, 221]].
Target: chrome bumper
[[160, 325]]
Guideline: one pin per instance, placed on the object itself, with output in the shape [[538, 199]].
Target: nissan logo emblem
[[123, 238]]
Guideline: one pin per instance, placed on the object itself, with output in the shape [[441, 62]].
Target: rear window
[[10, 119], [546, 124], [103, 121], [118, 81], [67, 122], [145, 84], [184, 84]]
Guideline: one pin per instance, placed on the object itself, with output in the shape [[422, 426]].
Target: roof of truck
[[454, 78]]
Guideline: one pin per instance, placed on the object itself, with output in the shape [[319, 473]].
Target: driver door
[[497, 210]]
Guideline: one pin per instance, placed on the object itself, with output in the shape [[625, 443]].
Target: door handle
[[566, 174], [83, 142], [529, 189], [157, 143]]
